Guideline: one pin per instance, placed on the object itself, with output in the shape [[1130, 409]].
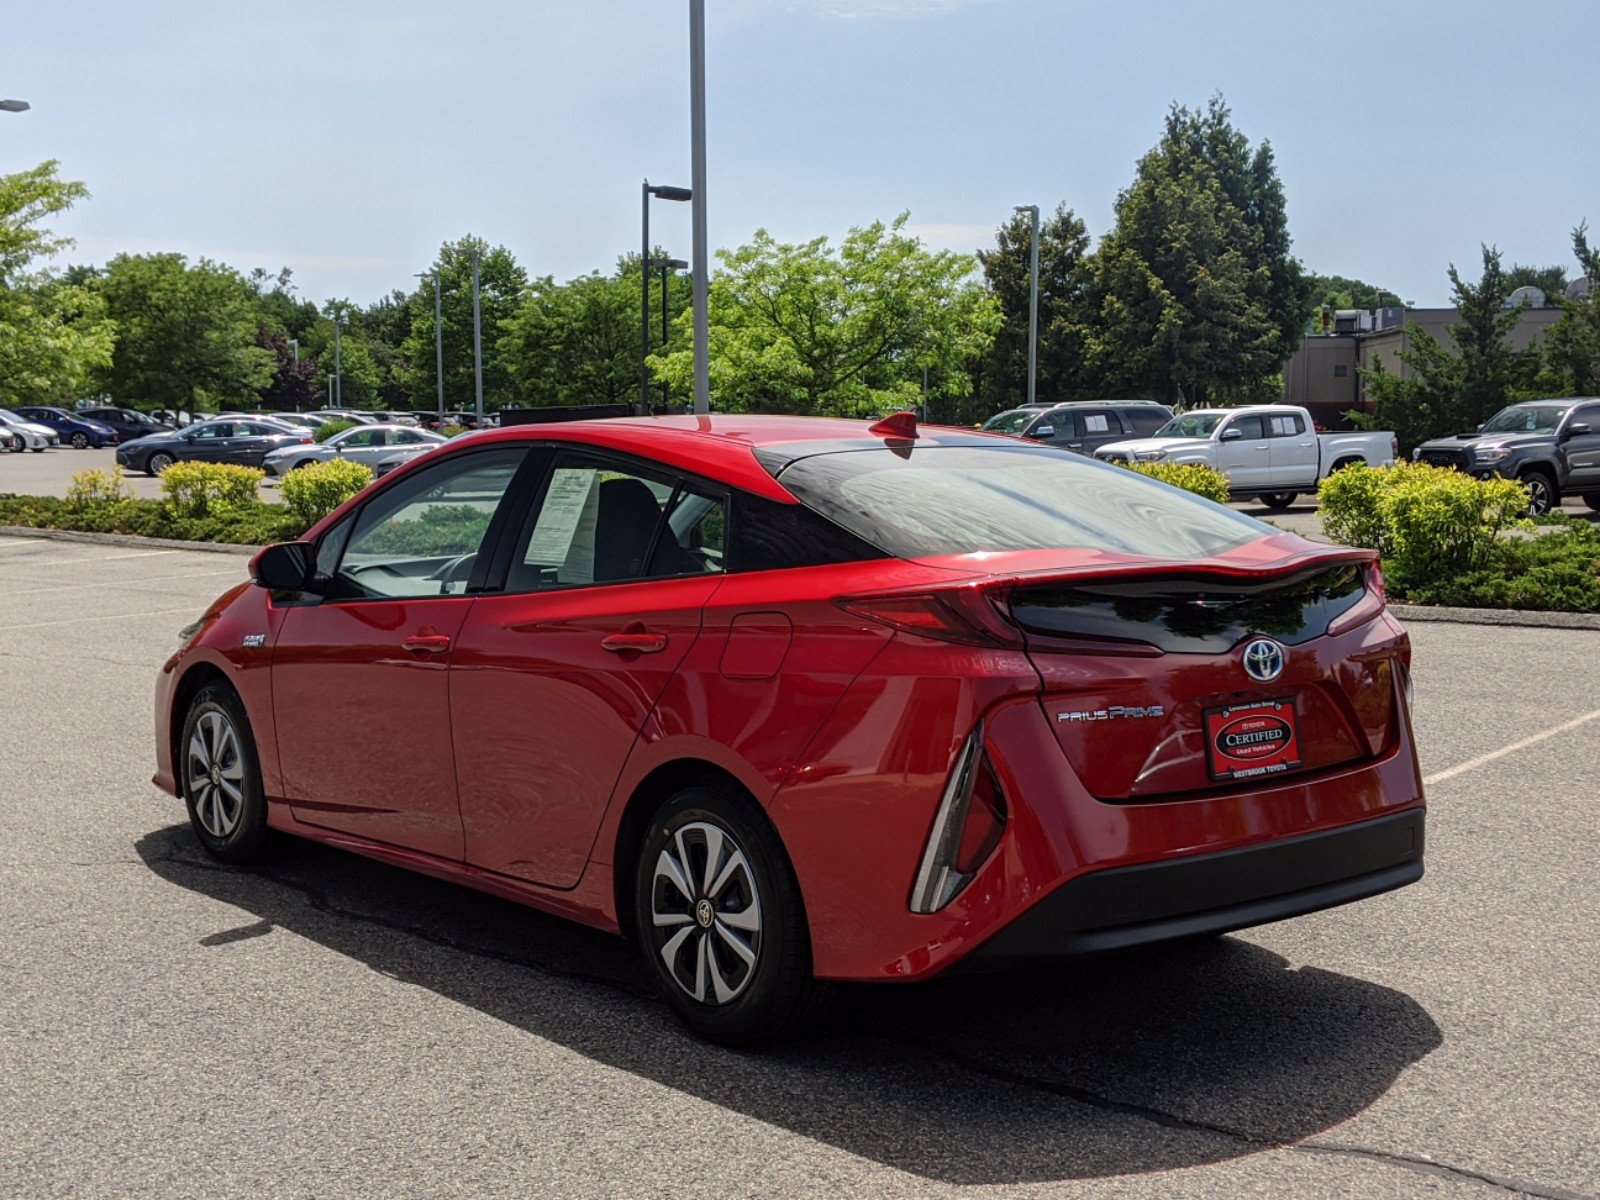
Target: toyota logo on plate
[[1263, 660]]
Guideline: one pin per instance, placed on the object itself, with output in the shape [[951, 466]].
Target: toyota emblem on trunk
[[1263, 660]]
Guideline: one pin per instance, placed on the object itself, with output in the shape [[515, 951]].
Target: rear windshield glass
[[935, 500]]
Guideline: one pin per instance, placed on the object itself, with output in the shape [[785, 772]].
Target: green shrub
[[1191, 477], [1556, 572], [441, 529], [254, 525], [195, 490], [323, 432], [451, 431], [98, 487], [312, 492], [1424, 520]]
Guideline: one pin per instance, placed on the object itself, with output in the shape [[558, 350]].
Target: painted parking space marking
[[1472, 764], [154, 612], [129, 585], [56, 562]]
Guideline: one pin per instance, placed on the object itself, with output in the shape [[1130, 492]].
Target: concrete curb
[[122, 539], [1497, 616]]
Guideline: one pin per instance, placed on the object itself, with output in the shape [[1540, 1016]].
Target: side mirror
[[285, 567], [1232, 435], [1578, 429], [1044, 431]]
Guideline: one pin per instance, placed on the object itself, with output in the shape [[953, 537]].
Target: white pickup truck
[[1269, 452]]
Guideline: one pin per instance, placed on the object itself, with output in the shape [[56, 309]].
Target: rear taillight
[[966, 829], [963, 615]]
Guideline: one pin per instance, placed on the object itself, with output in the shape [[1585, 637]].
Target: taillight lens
[[966, 829], [965, 616]]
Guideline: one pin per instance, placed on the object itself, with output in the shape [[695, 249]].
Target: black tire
[[304, 462], [1543, 494], [1593, 500], [158, 462], [80, 441], [1279, 500], [776, 995], [39, 449], [220, 777]]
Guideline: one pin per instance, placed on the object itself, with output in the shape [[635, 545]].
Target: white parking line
[[130, 585], [1472, 764], [7, 542], [56, 562], [154, 612]]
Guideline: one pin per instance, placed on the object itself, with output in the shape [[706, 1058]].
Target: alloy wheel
[[215, 774], [1538, 495], [80, 441], [706, 912]]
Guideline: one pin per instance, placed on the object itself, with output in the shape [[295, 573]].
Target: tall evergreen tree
[[1197, 297], [1572, 347]]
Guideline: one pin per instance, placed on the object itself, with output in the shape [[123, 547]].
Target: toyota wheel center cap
[[703, 914]]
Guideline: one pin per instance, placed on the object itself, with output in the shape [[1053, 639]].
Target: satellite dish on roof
[[1530, 297], [1578, 288]]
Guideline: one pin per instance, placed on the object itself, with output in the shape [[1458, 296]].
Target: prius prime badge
[[1263, 660]]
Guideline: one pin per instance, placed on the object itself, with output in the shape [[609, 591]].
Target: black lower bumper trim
[[1210, 893]]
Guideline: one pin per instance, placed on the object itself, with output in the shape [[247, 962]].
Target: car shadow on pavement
[[1149, 1061]]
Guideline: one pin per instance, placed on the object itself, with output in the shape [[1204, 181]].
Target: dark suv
[[1082, 425], [1552, 447]]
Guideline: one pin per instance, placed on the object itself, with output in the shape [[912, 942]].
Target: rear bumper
[[1210, 893]]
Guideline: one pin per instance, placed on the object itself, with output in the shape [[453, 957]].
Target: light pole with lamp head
[[697, 180], [1033, 302], [438, 338], [663, 192], [666, 266]]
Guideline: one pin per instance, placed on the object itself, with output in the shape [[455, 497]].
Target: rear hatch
[[1146, 686]]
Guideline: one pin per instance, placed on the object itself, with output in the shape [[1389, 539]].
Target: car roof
[[722, 446]]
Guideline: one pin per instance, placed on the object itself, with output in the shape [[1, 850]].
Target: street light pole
[[338, 371], [1033, 303], [438, 338], [477, 341], [697, 182], [665, 265], [660, 192]]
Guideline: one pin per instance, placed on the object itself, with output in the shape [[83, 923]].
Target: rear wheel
[[719, 920], [80, 441], [1542, 493], [1593, 500], [157, 463], [1279, 500], [221, 777]]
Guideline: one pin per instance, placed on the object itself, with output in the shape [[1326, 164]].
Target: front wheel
[[1542, 493], [158, 463], [719, 919], [221, 777], [1279, 500]]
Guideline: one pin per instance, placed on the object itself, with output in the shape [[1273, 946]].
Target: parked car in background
[[245, 442], [345, 414], [81, 433], [1269, 452], [464, 420], [795, 700], [398, 456], [11, 442], [35, 436], [397, 418], [128, 423], [365, 444], [1552, 447], [1081, 425]]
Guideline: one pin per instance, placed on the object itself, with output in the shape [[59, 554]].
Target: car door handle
[[635, 641], [427, 643]]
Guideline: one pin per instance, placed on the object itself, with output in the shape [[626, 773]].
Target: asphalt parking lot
[[327, 1026]]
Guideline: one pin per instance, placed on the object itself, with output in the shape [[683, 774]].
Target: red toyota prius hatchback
[[790, 701]]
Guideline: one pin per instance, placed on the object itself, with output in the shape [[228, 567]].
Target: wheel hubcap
[[706, 913], [1538, 497], [215, 774]]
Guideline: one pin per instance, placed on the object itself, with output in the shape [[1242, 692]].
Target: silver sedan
[[367, 444]]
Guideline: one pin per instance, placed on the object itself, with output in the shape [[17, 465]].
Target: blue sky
[[347, 140]]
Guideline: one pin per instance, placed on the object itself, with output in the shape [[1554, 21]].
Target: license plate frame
[[1252, 740]]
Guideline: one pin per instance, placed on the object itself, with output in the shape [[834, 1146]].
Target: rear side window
[[1097, 422], [1145, 419], [1285, 424], [936, 500], [769, 536]]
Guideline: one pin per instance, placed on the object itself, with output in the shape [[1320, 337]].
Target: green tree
[[502, 283], [1572, 345], [54, 334], [1197, 298], [1456, 388], [186, 334], [843, 331], [578, 342], [1551, 280], [1064, 279]]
